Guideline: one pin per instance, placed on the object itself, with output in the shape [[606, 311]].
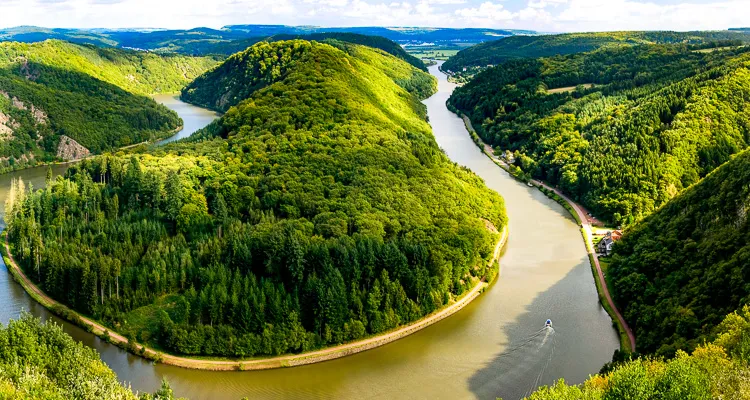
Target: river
[[494, 347], [193, 118]]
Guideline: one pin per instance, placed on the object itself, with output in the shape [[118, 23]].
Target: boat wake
[[526, 360]]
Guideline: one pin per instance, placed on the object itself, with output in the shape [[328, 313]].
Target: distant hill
[[233, 38], [397, 34], [93, 98], [190, 41], [679, 271], [516, 47]]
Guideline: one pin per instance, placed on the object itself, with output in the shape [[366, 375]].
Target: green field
[[435, 54], [440, 52]]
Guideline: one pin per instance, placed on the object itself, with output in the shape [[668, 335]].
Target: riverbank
[[312, 357], [627, 338]]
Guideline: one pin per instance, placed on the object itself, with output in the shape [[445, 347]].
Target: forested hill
[[62, 100], [678, 271], [516, 47], [322, 211], [658, 118], [244, 73]]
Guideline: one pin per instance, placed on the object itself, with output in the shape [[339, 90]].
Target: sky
[[539, 15]]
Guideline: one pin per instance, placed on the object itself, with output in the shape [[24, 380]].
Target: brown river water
[[494, 347]]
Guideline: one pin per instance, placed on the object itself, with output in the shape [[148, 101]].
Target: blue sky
[[541, 15]]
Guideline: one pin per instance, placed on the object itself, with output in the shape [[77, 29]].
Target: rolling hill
[[318, 210]]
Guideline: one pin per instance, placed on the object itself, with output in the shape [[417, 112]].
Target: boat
[[548, 323]]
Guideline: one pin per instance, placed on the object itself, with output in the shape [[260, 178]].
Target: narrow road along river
[[495, 347]]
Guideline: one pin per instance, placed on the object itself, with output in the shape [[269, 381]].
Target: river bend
[[495, 347]]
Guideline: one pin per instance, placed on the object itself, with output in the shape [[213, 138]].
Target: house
[[605, 245]]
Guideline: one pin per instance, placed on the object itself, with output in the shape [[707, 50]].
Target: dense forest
[[678, 271], [518, 47], [717, 370], [40, 361], [96, 97], [657, 119], [318, 210]]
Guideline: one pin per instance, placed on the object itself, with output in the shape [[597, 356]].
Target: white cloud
[[445, 2], [329, 3], [635, 15], [545, 3], [543, 15], [487, 11]]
